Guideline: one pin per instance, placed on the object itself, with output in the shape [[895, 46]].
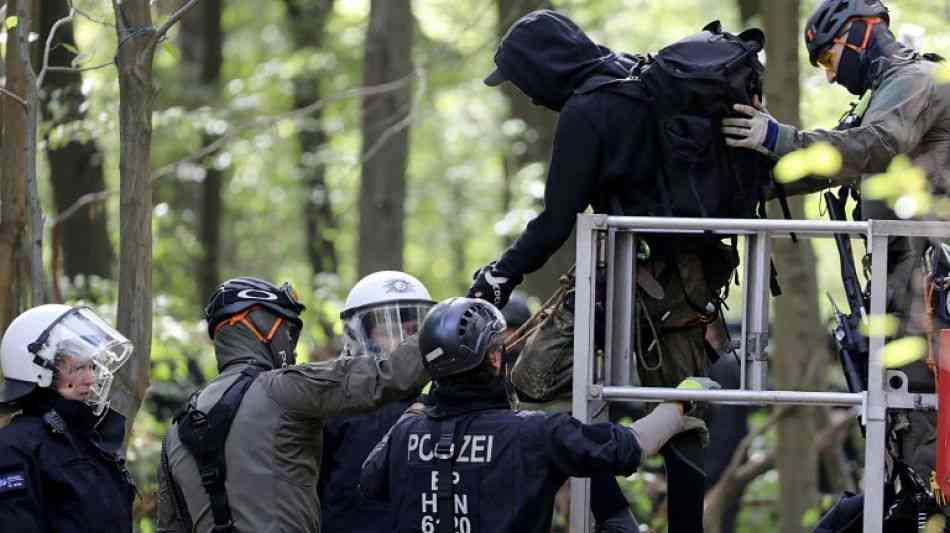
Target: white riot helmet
[[54, 338], [383, 309]]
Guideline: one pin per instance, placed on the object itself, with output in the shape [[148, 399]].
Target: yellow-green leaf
[[11, 22], [884, 325], [820, 158], [903, 352]]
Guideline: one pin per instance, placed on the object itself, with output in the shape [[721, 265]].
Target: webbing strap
[[204, 436], [444, 460]]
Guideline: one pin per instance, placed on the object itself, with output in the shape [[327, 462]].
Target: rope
[[544, 314]]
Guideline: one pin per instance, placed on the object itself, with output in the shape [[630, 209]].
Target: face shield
[[84, 353], [380, 329]]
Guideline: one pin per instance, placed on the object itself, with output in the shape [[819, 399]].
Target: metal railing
[[609, 243]]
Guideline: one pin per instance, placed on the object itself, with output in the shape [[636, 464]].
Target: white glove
[[757, 130]]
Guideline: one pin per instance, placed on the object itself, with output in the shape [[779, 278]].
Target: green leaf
[[903, 352], [72, 49], [885, 325], [170, 48], [819, 158]]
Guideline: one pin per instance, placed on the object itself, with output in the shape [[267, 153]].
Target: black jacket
[[60, 471], [347, 440], [604, 141], [510, 464]]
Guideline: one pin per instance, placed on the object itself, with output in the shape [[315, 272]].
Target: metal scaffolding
[[609, 243]]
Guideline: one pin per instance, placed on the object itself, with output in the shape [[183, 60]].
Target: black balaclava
[[858, 71], [547, 56]]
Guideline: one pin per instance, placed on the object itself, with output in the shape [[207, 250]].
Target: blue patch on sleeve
[[12, 482]]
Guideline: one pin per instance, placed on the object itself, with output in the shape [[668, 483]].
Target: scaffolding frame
[[609, 243]]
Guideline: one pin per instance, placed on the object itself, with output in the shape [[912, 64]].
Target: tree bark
[[136, 99], [794, 310], [201, 40], [75, 165], [532, 146], [385, 144], [307, 22], [17, 230]]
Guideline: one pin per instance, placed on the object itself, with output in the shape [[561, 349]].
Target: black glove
[[493, 285]]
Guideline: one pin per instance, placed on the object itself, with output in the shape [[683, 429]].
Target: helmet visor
[[379, 330], [79, 343]]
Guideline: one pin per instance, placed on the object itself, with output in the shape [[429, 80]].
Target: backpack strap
[[445, 459], [204, 435]]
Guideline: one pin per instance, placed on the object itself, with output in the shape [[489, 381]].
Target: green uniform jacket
[[909, 113], [274, 448]]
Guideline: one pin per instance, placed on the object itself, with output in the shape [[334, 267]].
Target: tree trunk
[[532, 146], [18, 232], [384, 151], [796, 338], [136, 99], [75, 165], [307, 21], [201, 40], [749, 9]]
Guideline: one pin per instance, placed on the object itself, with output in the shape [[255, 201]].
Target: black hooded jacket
[[604, 139]]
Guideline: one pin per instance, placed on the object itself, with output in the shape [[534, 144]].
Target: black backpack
[[691, 86]]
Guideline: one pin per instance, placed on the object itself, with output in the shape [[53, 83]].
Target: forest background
[[154, 149]]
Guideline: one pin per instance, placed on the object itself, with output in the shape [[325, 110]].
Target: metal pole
[[620, 275], [583, 357], [740, 226], [755, 309], [876, 409], [758, 397]]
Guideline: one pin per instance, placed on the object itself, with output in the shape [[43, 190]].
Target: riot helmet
[[829, 19], [70, 349], [516, 311], [382, 310], [241, 300], [458, 334]]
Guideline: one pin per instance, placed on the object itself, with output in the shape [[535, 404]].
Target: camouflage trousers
[[670, 344]]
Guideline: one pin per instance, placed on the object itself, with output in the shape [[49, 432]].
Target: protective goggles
[[826, 59]]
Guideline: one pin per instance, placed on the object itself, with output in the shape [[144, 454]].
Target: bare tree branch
[[175, 17], [87, 16], [14, 96], [80, 69], [49, 46]]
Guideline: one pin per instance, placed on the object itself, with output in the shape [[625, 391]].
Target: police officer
[[60, 463], [381, 310], [264, 474], [468, 462]]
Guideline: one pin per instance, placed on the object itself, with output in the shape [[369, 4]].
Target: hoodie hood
[[547, 56]]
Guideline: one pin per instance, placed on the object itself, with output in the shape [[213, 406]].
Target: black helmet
[[457, 334], [830, 17], [237, 294], [516, 311]]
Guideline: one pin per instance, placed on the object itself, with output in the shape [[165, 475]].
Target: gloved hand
[[492, 285], [754, 129], [696, 383]]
